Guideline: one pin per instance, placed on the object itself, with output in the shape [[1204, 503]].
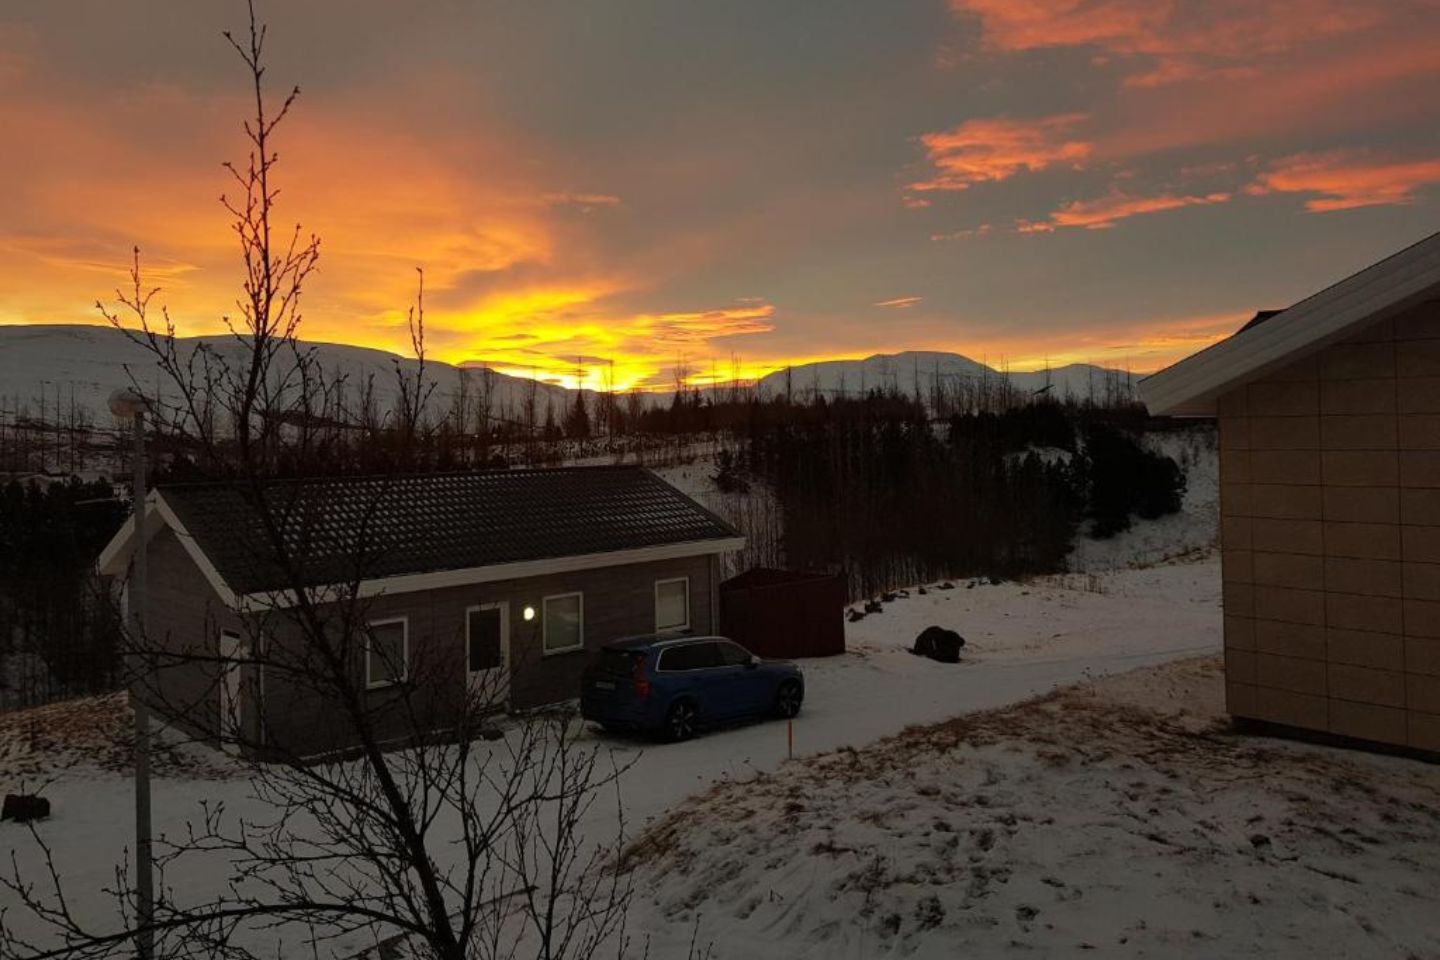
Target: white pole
[[144, 880]]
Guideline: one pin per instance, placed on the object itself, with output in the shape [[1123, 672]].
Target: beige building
[[1329, 417]]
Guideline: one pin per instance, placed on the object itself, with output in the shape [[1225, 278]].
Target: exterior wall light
[[528, 613]]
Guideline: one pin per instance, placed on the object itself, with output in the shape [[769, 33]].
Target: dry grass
[[1171, 723], [94, 733]]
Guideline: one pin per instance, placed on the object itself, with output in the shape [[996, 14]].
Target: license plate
[[604, 685]]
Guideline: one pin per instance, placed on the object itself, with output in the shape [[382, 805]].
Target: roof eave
[[1395, 284], [520, 570], [115, 558]]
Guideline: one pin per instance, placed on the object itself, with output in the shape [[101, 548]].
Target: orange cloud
[[513, 278], [1141, 345], [987, 150], [968, 233], [1172, 40], [586, 202], [899, 302], [1347, 180], [573, 338], [1102, 213]]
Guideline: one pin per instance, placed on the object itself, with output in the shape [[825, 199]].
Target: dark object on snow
[[874, 606], [996, 581], [939, 644], [903, 594], [888, 597], [784, 614], [947, 585], [970, 585], [1259, 841], [923, 591], [491, 733], [22, 808], [852, 615]]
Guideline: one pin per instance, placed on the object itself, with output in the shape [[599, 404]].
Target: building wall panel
[[1331, 537]]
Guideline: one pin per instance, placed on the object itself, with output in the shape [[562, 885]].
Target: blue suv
[[675, 685]]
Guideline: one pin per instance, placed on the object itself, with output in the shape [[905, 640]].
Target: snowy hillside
[[1192, 531], [919, 371], [87, 362]]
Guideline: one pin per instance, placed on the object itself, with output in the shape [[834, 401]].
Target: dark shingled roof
[[364, 528]]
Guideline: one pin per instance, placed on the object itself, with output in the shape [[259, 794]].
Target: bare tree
[[485, 412], [414, 390], [414, 827]]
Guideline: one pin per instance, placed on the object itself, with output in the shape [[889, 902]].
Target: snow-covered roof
[[1384, 289]]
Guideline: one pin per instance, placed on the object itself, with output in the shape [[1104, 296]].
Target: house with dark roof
[[1329, 424], [501, 580]]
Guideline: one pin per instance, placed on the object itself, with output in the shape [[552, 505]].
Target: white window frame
[[233, 650], [674, 628], [545, 651], [372, 684]]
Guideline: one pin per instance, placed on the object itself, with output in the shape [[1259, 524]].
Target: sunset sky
[[1119, 182]]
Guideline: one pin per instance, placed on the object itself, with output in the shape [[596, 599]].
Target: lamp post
[[129, 405]]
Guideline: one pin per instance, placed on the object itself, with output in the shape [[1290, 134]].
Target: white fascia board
[[217, 582], [441, 579], [1189, 388], [115, 558]]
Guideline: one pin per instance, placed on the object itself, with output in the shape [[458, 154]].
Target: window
[[484, 630], [690, 656], [672, 604], [564, 622], [387, 652], [733, 655]]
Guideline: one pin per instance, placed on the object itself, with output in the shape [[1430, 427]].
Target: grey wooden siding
[[618, 602], [184, 615]]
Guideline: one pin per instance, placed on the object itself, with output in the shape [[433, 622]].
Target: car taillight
[[642, 683]]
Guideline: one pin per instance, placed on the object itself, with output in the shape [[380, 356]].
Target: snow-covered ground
[[1191, 532], [1120, 816], [1024, 639]]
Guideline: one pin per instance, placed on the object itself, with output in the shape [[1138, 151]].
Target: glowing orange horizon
[[535, 266]]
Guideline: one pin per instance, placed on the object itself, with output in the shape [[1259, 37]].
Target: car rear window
[[620, 663]]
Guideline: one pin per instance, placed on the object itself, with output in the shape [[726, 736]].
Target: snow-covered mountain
[[919, 372], [55, 364], [52, 364]]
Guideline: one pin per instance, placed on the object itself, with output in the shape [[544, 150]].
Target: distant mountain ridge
[[917, 372], [41, 363], [89, 361]]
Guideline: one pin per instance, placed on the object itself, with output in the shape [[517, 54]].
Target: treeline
[[878, 486], [891, 496], [59, 630]]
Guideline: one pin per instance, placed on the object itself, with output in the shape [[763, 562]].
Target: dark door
[[485, 653]]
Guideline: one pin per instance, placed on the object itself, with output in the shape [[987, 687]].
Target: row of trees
[[59, 635], [880, 490]]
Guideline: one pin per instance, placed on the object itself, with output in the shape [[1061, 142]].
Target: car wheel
[[788, 699], [680, 721]]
